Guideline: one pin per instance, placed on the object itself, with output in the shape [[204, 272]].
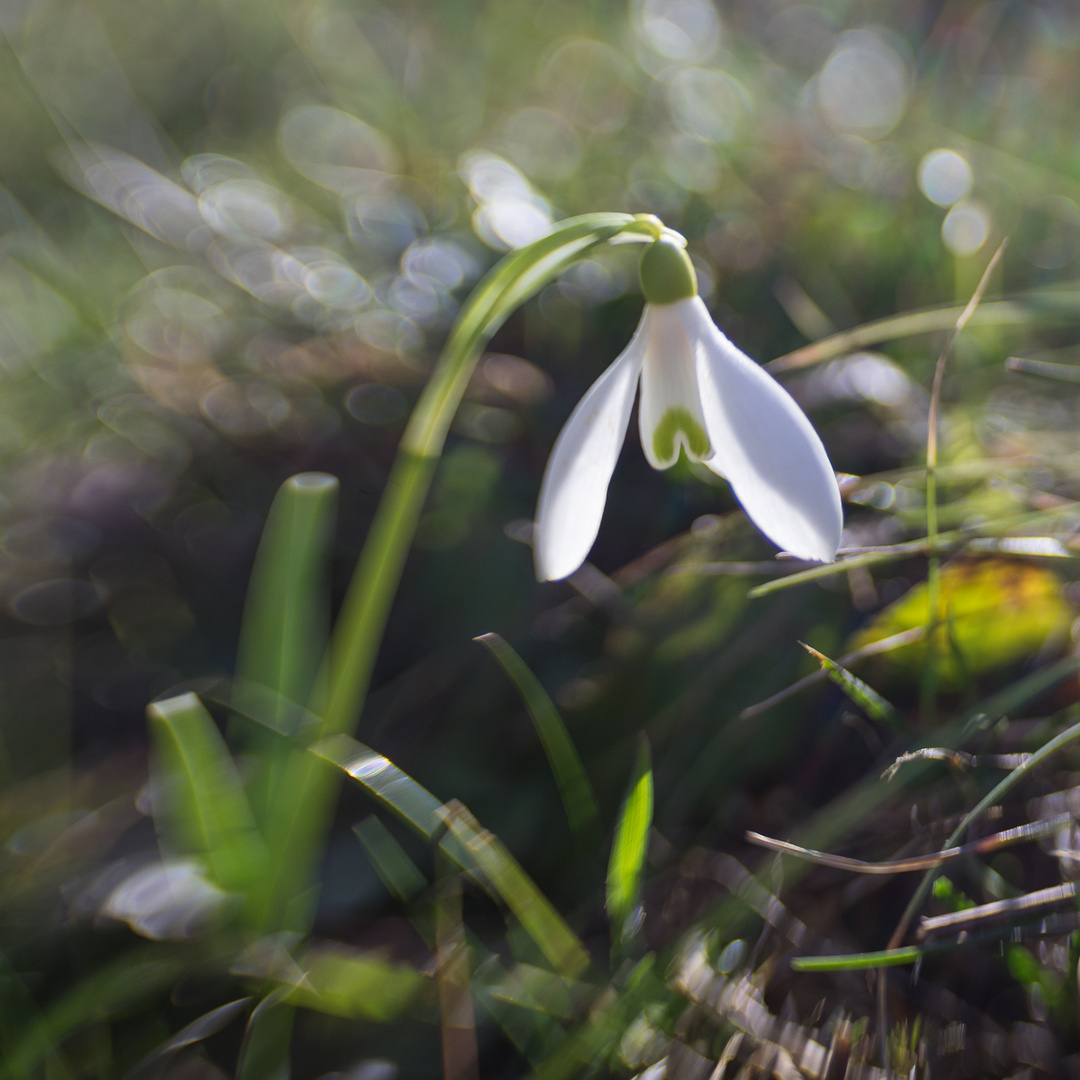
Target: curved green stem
[[518, 276], [309, 786]]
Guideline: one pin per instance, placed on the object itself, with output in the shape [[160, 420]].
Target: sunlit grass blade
[[895, 327], [876, 648], [1046, 368], [199, 801], [627, 863], [206, 1025], [413, 804], [264, 1053], [946, 541], [865, 696], [282, 643], [286, 616], [254, 702], [558, 943], [860, 961], [574, 787]]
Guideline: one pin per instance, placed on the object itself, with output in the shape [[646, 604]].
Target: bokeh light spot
[[945, 177], [966, 227], [336, 150], [683, 30], [863, 87], [709, 104]]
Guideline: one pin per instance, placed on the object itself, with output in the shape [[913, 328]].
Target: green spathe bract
[[666, 273]]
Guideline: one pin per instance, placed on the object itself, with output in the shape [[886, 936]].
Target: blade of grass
[[531, 908], [910, 954], [895, 327], [993, 796], [896, 641], [574, 787], [282, 643], [199, 801], [415, 805], [627, 862], [929, 686], [867, 698], [264, 1053], [206, 1025], [835, 821], [945, 542], [397, 871], [286, 617]]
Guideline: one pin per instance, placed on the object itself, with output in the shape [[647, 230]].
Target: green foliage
[[234, 241], [574, 787], [199, 803], [626, 866]]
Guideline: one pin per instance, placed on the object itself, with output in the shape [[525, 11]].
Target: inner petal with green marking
[[677, 427]]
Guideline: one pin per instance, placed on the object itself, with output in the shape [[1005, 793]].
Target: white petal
[[669, 415], [765, 446], [576, 479]]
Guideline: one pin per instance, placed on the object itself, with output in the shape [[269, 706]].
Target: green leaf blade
[[627, 863], [574, 787]]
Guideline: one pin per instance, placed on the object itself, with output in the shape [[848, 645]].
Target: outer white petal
[[765, 446], [576, 479], [669, 390]]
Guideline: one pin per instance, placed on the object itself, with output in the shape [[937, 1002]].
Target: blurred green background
[[233, 237]]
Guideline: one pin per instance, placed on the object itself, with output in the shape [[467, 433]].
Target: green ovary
[[678, 421]]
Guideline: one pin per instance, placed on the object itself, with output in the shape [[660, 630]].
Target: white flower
[[699, 394]]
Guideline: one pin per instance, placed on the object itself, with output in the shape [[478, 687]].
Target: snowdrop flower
[[700, 395]]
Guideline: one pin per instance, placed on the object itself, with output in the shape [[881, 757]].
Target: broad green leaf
[[356, 985], [574, 787], [538, 918], [199, 802], [866, 697], [627, 863]]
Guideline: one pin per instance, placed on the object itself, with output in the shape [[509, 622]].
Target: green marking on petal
[[678, 421]]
